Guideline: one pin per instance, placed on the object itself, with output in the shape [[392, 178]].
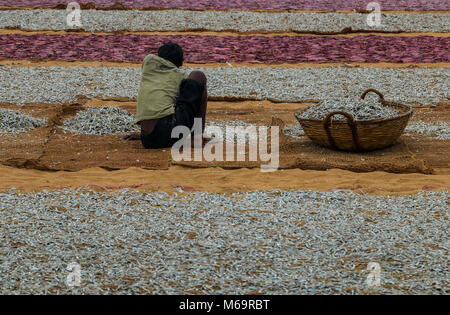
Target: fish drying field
[[137, 221]]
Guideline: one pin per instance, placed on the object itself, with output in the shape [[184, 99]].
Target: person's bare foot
[[133, 136]]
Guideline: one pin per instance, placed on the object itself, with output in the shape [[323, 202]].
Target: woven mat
[[70, 152], [304, 154], [43, 149], [24, 149]]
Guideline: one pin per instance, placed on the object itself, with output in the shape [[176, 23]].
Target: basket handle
[[382, 100], [350, 121]]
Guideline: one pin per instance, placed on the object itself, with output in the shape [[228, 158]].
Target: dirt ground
[[219, 180], [50, 158], [51, 148]]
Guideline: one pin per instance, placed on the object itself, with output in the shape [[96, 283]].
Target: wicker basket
[[363, 135]]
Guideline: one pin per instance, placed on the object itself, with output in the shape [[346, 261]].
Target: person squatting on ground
[[168, 98]]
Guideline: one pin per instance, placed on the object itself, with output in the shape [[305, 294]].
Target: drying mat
[[435, 152], [224, 164], [71, 152], [31, 150], [427, 147], [24, 149], [304, 154]]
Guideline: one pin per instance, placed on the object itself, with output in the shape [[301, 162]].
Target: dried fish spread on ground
[[293, 131], [409, 5], [243, 132], [274, 242], [367, 109], [22, 85], [16, 122], [438, 129], [240, 131], [241, 21], [101, 121]]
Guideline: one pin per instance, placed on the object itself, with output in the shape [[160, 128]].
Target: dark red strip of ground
[[255, 49]]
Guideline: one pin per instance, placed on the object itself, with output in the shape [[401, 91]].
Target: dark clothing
[[187, 108]]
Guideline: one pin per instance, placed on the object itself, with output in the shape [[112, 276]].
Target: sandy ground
[[222, 181]]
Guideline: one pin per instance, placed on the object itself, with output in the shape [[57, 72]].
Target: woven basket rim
[[408, 111]]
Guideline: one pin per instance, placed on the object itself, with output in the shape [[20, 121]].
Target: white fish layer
[[186, 20], [22, 85], [15, 121], [101, 121], [273, 242], [367, 109]]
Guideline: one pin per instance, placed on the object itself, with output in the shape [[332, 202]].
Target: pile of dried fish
[[16, 121], [101, 121], [439, 129], [294, 131], [367, 109], [240, 132]]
